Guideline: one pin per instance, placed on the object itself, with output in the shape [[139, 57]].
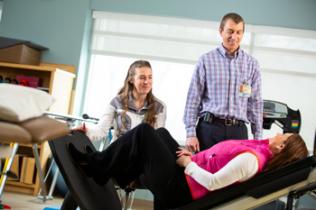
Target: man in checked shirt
[[225, 92]]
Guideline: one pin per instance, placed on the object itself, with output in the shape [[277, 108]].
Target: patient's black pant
[[152, 154]]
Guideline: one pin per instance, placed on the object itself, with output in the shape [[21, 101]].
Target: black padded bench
[[257, 187], [86, 193], [90, 196]]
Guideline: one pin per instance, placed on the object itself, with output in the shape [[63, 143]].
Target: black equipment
[[86, 193], [283, 116]]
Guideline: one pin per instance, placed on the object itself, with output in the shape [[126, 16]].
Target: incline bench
[[260, 190]]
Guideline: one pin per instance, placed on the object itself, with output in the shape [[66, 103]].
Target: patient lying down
[[174, 175]]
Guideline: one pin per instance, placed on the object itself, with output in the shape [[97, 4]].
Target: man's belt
[[211, 118]]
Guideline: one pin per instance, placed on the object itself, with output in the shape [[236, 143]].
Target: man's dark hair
[[233, 16]]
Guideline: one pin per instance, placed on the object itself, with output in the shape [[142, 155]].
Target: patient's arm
[[239, 169]]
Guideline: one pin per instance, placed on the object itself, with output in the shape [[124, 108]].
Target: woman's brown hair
[[150, 116], [295, 149]]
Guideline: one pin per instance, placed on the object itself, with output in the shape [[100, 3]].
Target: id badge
[[245, 90]]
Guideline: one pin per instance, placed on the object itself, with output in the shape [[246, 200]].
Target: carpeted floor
[[28, 202]]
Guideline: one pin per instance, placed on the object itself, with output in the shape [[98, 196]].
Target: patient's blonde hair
[[295, 149]]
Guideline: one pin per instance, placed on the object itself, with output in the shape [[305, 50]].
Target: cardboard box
[[20, 54], [23, 169], [27, 170], [20, 51], [28, 178], [15, 168]]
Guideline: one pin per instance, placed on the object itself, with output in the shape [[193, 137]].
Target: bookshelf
[[57, 80]]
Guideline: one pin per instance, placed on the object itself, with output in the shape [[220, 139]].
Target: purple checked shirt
[[215, 87]]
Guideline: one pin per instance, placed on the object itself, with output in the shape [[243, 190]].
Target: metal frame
[[7, 165]]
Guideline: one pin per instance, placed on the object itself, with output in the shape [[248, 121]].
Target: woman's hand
[[81, 128], [183, 151], [183, 161], [184, 157]]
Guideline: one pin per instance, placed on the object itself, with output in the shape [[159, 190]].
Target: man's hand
[[192, 144]]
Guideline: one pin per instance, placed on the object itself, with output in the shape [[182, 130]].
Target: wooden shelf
[[40, 67], [20, 184], [16, 186], [58, 80]]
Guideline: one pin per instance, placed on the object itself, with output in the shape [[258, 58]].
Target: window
[[1, 5], [107, 76], [287, 58]]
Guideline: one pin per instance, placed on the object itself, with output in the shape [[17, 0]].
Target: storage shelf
[[15, 186], [58, 80], [20, 184], [41, 67]]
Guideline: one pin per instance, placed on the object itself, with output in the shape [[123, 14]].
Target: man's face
[[232, 34]]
